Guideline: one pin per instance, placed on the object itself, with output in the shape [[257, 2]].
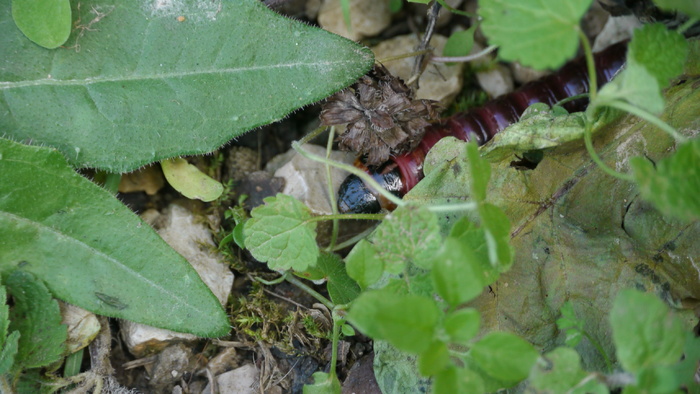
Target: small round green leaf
[[190, 181], [504, 356], [46, 22], [456, 273], [363, 265], [462, 325]]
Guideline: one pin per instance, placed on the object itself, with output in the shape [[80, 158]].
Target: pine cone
[[381, 115]]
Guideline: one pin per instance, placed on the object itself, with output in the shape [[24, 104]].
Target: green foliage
[[91, 250], [8, 343], [330, 267], [673, 185], [45, 22], [571, 325], [456, 274], [559, 371], [504, 356], [188, 180], [281, 234], [323, 384], [689, 7], [539, 34], [363, 265], [460, 43], [136, 86]]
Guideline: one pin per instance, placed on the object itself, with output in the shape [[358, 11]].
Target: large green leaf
[[91, 250], [139, 81]]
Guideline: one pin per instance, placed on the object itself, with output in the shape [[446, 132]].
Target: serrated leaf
[[634, 85], [456, 273], [540, 127], [538, 33], [462, 325], [406, 321], [61, 227], [504, 356], [673, 186], [458, 380], [143, 81], [281, 234], [341, 288], [363, 265], [408, 234], [9, 352], [660, 51], [45, 22], [559, 371], [189, 181], [645, 332], [435, 359], [688, 7], [38, 319]]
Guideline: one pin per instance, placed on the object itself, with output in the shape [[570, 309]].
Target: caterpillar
[[401, 173]]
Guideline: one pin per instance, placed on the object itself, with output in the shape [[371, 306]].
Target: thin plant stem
[[356, 216], [687, 25], [590, 63], [305, 139], [271, 282], [337, 323], [594, 156], [465, 206], [463, 59], [353, 240], [313, 293], [353, 170], [331, 192], [569, 99], [649, 117], [404, 56], [454, 10]]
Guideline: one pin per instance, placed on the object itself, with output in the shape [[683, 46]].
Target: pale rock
[[185, 233], [497, 81], [367, 18], [616, 29], [305, 179], [82, 326], [523, 75], [243, 380], [438, 82]]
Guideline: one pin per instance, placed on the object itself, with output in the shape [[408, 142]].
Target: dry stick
[[429, 29]]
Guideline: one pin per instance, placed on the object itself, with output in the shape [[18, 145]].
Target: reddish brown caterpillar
[[400, 174]]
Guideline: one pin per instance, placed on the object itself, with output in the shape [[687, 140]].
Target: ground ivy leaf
[[634, 85], [504, 356], [406, 321], [138, 84], [45, 22], [480, 171], [474, 237], [538, 33], [341, 288], [280, 234], [408, 234], [559, 371], [190, 181], [660, 51], [673, 186], [497, 234], [37, 317], [458, 380], [324, 383], [9, 352], [540, 127], [462, 325], [363, 265], [61, 227], [456, 273], [688, 7], [459, 43], [645, 331], [435, 359]]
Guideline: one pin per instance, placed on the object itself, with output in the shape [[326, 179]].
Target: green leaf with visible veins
[[141, 81], [661, 51], [280, 234], [61, 227], [673, 185], [38, 319], [538, 33], [363, 265], [504, 356], [45, 22], [409, 233]]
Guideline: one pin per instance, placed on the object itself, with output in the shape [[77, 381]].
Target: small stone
[[306, 179], [523, 75], [439, 82], [185, 233], [616, 29], [367, 18], [497, 81], [241, 380]]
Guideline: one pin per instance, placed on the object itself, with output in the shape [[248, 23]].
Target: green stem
[[296, 282], [353, 170], [466, 206], [331, 192], [687, 25], [592, 76], [404, 56], [600, 350], [73, 362], [357, 216], [272, 282], [594, 156], [353, 240], [463, 59], [337, 323], [313, 134], [649, 117], [561, 103], [454, 10]]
